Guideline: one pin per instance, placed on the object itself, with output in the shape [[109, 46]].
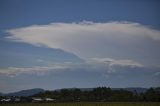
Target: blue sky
[[54, 44]]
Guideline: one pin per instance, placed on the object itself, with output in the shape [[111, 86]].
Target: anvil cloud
[[88, 39]]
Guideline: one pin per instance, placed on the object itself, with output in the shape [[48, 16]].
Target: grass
[[88, 104]]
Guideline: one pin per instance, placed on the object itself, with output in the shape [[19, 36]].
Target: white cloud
[[94, 64], [114, 62], [113, 65], [88, 39], [40, 70], [40, 60]]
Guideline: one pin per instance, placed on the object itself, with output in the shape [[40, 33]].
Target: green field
[[88, 104]]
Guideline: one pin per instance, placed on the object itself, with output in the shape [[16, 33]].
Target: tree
[[152, 95]]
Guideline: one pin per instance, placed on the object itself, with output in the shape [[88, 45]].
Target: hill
[[28, 92]]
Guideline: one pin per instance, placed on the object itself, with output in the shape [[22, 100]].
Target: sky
[[53, 44]]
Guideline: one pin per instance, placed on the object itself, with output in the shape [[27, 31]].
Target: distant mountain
[[82, 89], [28, 92], [136, 89], [1, 94], [34, 91]]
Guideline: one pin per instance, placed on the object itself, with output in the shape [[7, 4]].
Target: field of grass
[[88, 104]]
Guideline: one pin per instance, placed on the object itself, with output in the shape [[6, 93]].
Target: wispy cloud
[[114, 65], [96, 64], [114, 62], [39, 70], [88, 39]]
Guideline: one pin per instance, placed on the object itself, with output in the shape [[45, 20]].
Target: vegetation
[[88, 104], [102, 94]]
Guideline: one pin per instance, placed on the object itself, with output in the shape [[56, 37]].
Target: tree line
[[101, 94]]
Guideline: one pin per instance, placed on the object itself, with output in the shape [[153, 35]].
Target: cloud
[[89, 39], [157, 74], [40, 70], [114, 65], [114, 62], [100, 65], [40, 60]]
